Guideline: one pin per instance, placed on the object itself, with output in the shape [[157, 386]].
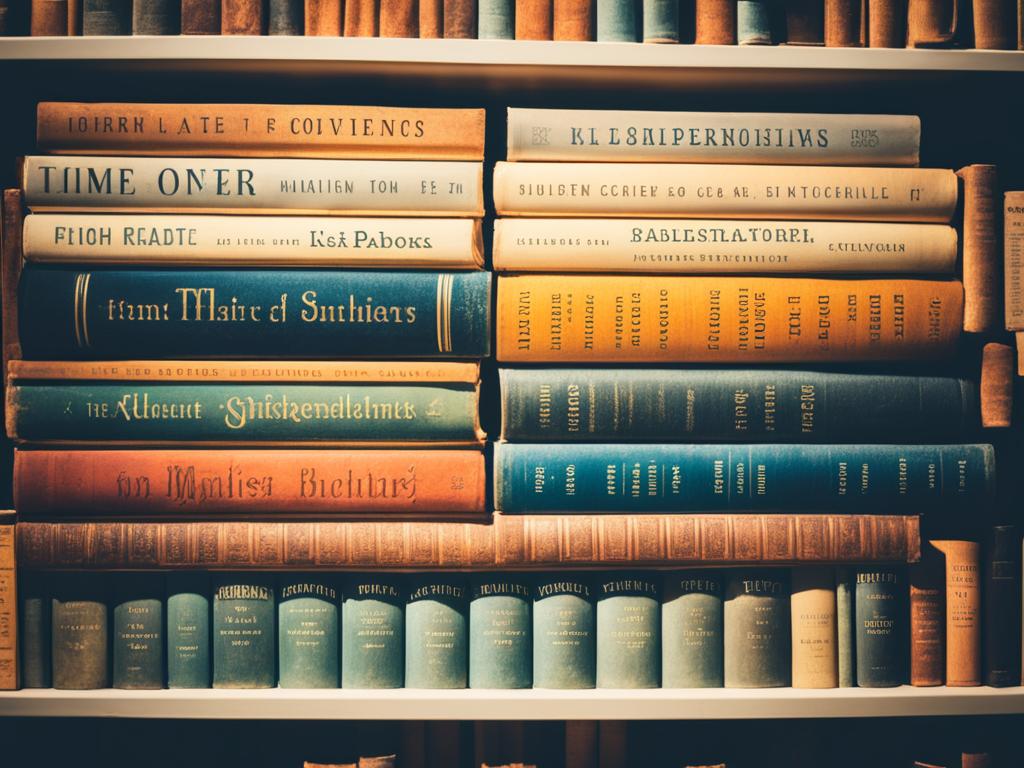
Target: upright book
[[691, 629], [500, 631], [436, 632], [373, 631], [138, 634], [308, 627], [881, 621], [629, 631], [1001, 610], [243, 631], [564, 641], [81, 632], [756, 629], [10, 651], [188, 630]]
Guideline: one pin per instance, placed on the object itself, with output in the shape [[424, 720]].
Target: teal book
[[500, 631], [307, 631], [436, 632], [80, 631], [661, 21], [138, 632], [691, 629], [753, 22], [756, 629], [373, 639], [496, 20], [564, 632], [882, 618], [243, 631], [618, 21], [628, 631], [188, 630], [845, 635], [34, 651]]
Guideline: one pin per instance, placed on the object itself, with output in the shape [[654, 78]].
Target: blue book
[[496, 20], [617, 21], [564, 632], [661, 21], [188, 630], [628, 630], [228, 313], [753, 22], [552, 477], [500, 631]]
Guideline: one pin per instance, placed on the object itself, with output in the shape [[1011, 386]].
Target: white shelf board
[[407, 704]]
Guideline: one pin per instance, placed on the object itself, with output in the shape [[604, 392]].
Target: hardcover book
[[1002, 607], [500, 631], [928, 619], [564, 639], [628, 631], [308, 631], [80, 632], [618, 21], [243, 631], [691, 629], [963, 611], [1013, 260], [846, 628], [814, 641], [756, 628], [881, 615], [9, 604], [34, 595], [436, 632], [138, 632], [373, 632], [188, 630]]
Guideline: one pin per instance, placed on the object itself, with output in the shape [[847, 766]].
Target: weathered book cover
[[11, 265], [715, 22], [241, 17], [243, 631], [500, 631], [628, 630], [9, 601], [887, 23], [691, 629], [106, 17], [34, 595], [982, 272], [431, 18], [373, 639], [756, 628], [533, 19], [138, 632], [436, 632], [998, 372], [754, 22], [496, 20], [844, 23], [933, 23], [1013, 260], [156, 17], [399, 19], [963, 611], [619, 21], [48, 18], [928, 619], [814, 641], [661, 21], [881, 617], [572, 19], [308, 627], [284, 17], [324, 18], [805, 22], [188, 630], [1002, 607], [200, 17], [80, 627], [845, 628], [564, 639], [459, 18], [995, 24]]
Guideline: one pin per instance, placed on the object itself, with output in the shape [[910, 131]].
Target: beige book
[[264, 241], [700, 246], [1013, 260], [963, 611], [813, 616], [671, 190]]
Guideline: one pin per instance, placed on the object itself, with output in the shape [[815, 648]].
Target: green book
[[80, 631], [188, 630], [564, 635], [691, 630], [373, 622], [138, 634], [628, 631], [436, 631], [845, 643], [243, 631], [500, 631], [35, 598], [307, 631], [757, 629]]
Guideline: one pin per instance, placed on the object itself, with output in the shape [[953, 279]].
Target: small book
[[564, 639], [628, 630], [692, 638], [137, 635], [188, 630], [500, 631], [80, 626], [308, 627]]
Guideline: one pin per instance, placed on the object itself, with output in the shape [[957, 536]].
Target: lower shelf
[[408, 704]]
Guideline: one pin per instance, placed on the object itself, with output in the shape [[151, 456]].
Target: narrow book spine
[[533, 20], [564, 632], [628, 631], [1002, 608], [928, 619], [243, 631], [805, 22], [138, 632], [998, 366], [932, 23], [995, 24], [361, 18], [572, 20], [887, 24], [49, 18], [308, 631], [843, 23], [200, 17], [963, 611], [373, 626], [881, 615], [436, 632], [661, 21], [617, 21], [34, 647], [80, 632], [756, 629], [716, 22], [496, 20], [284, 17], [753, 22], [156, 17], [691, 629], [845, 628], [983, 289], [241, 17], [323, 18], [431, 16], [9, 636], [1013, 265], [106, 17], [399, 19], [500, 632], [813, 607], [459, 19], [188, 630]]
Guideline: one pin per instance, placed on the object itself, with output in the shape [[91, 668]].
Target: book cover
[[285, 17], [1002, 607], [242, 17], [188, 630], [200, 17], [138, 632], [373, 631], [628, 630], [564, 639], [496, 20], [308, 627], [661, 21], [572, 20], [34, 595], [156, 17], [756, 628], [500, 631], [754, 22], [323, 18], [881, 616], [982, 271], [618, 21], [715, 22], [459, 19], [106, 17], [963, 611], [813, 630], [928, 618], [533, 19], [691, 629], [80, 625], [361, 18], [243, 631], [436, 632], [399, 19], [1013, 260]]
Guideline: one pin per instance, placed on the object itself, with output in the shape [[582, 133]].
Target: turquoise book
[[34, 651], [691, 629], [243, 631], [500, 631], [188, 630], [618, 21], [753, 22], [564, 632], [629, 630], [496, 20], [307, 631], [756, 628], [80, 631], [436, 632], [661, 21], [138, 631], [845, 642], [882, 618], [373, 638]]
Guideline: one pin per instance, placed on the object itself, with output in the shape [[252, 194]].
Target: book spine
[[307, 631], [963, 611], [241, 17], [496, 20], [715, 22], [138, 632], [188, 630], [931, 23], [436, 632], [431, 17], [845, 629], [1013, 255], [373, 639], [106, 17], [552, 477], [844, 23], [243, 631], [881, 614], [49, 18], [628, 631], [669, 405], [995, 24], [459, 19], [753, 22], [34, 646], [10, 649], [297, 413], [253, 185], [691, 630], [814, 627], [1002, 608], [661, 21], [668, 319], [572, 20], [249, 482], [361, 18], [805, 22], [500, 632], [285, 17], [581, 743], [983, 289], [928, 619], [564, 639], [617, 21], [323, 18], [756, 629], [886, 24], [200, 17], [998, 369], [399, 19], [67, 313], [156, 17], [81, 640], [533, 20]]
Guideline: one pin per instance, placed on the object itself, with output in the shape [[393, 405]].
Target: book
[[10, 646], [188, 630], [617, 21], [777, 138], [243, 631], [323, 18], [564, 641], [137, 635], [106, 17], [881, 615], [436, 632], [515, 542], [496, 20], [715, 22], [533, 19], [691, 405], [308, 631], [753, 22], [670, 319], [756, 629], [66, 313], [886, 23], [399, 19], [814, 621], [995, 24], [678, 190], [80, 632], [982, 273], [200, 17], [500, 631], [431, 18], [613, 744], [691, 629], [535, 478], [709, 246], [34, 596], [844, 22], [963, 611], [1001, 610], [11, 266], [932, 23], [373, 632], [241, 17], [572, 20], [285, 17], [628, 630], [581, 740], [252, 185], [48, 18], [1013, 260], [361, 18], [661, 21], [846, 655], [928, 619], [459, 19], [444, 484], [805, 22], [996, 388], [156, 17]]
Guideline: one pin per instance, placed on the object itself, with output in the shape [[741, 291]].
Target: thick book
[[982, 269], [188, 630], [80, 631], [805, 22], [156, 17], [533, 19], [715, 22], [323, 18], [881, 621], [691, 405], [399, 19], [137, 634], [928, 619], [500, 631], [444, 484], [963, 611], [564, 641], [496, 20], [815, 662], [572, 20], [308, 631], [754, 22], [242, 17], [431, 19], [1002, 607], [886, 23], [691, 629], [106, 17], [669, 319], [618, 21], [285, 17], [995, 24], [243, 631], [845, 21], [49, 18], [531, 478], [373, 632], [628, 630], [661, 21], [459, 19], [1013, 260], [437, 632], [756, 629], [846, 655], [200, 17], [706, 246], [10, 650], [111, 313], [35, 600]]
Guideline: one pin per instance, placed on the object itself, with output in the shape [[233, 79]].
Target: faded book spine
[[813, 632], [106, 17], [1002, 607], [1013, 260], [572, 20], [175, 483], [982, 274], [963, 611], [805, 23], [138, 632], [629, 630], [188, 630], [500, 632], [844, 22], [253, 185], [80, 627], [995, 24], [691, 630], [707, 246], [437, 632], [361, 18], [373, 632], [998, 369], [200, 17], [881, 615], [156, 17], [661, 21], [533, 19], [241, 17], [756, 629], [323, 18], [754, 22], [48, 18], [308, 631], [399, 19], [459, 18], [715, 22], [431, 18], [496, 20], [35, 598], [669, 319], [928, 619], [618, 21], [886, 24], [243, 631], [10, 649], [284, 17], [564, 632], [845, 628]]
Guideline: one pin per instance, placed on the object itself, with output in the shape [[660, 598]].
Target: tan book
[[323, 18], [572, 20], [982, 271], [431, 18], [716, 22], [399, 18], [1013, 260], [844, 23], [932, 23], [8, 605], [10, 276], [997, 370], [361, 18], [241, 17], [963, 611], [813, 615]]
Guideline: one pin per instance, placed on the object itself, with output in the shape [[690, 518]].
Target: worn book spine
[[933, 23], [49, 18], [361, 18], [436, 632], [284, 17], [1013, 260], [533, 19], [572, 19], [308, 631], [691, 629], [431, 19], [716, 22], [260, 185], [983, 288], [188, 630], [156, 17], [661, 21], [756, 629], [844, 23], [963, 611], [537, 478], [670, 405], [243, 631], [323, 18], [805, 22], [995, 24], [881, 616], [500, 631], [618, 21], [176, 483], [628, 630], [496, 20], [813, 630], [399, 19], [10, 649], [241, 17], [753, 22], [459, 19], [80, 632], [887, 23], [106, 17], [998, 368], [671, 319], [845, 628], [67, 313], [1002, 607], [564, 632], [373, 632], [138, 632], [200, 17], [928, 619], [34, 595]]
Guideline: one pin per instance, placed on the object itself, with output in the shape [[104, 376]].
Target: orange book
[[572, 20], [533, 20], [963, 611], [431, 19], [361, 18], [8, 605], [716, 22], [240, 17], [399, 18], [323, 18]]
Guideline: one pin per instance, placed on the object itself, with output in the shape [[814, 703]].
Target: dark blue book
[[882, 617]]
